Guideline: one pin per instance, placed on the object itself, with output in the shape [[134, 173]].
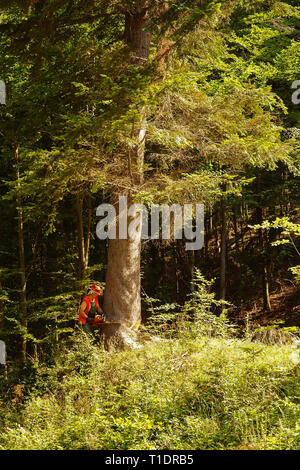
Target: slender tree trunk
[[223, 251], [177, 280], [191, 257], [242, 226], [21, 250], [237, 238], [1, 308], [218, 247], [1, 304], [83, 239], [206, 239], [264, 264], [210, 219], [122, 300], [285, 193], [80, 235], [266, 288], [236, 233], [88, 233], [208, 232]]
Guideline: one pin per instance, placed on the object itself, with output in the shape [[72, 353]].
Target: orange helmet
[[97, 289]]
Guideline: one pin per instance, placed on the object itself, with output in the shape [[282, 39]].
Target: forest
[[188, 111]]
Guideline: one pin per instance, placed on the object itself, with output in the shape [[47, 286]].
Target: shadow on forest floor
[[285, 302]]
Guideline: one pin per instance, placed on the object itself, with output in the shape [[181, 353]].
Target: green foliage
[[288, 228], [217, 394], [219, 114], [200, 309], [296, 271], [196, 315]]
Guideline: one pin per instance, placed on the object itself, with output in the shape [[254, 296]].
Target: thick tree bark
[[122, 302], [21, 250]]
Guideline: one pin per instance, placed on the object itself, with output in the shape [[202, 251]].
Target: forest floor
[[285, 303]]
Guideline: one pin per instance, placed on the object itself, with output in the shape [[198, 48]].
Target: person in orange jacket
[[90, 313]]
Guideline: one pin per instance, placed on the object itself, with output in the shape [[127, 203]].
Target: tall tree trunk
[[21, 250], [122, 300], [208, 232], [264, 264], [88, 233], [236, 233], [237, 238], [206, 238], [266, 288], [80, 235], [210, 219], [83, 239], [177, 274], [1, 308], [191, 258], [223, 251]]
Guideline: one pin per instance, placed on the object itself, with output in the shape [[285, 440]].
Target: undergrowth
[[195, 386], [184, 393]]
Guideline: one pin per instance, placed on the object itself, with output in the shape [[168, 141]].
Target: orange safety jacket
[[87, 300]]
